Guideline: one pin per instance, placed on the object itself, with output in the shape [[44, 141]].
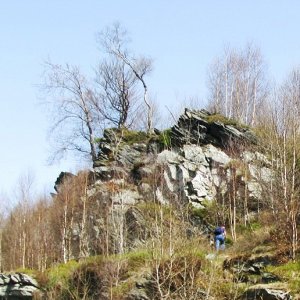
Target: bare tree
[[117, 92], [75, 124], [115, 40], [288, 154], [237, 84]]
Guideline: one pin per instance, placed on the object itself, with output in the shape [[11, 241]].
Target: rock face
[[17, 287], [63, 176], [194, 167], [195, 127]]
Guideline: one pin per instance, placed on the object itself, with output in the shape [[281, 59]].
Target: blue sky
[[182, 37]]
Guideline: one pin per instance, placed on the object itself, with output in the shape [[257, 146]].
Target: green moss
[[226, 121], [222, 119], [131, 136]]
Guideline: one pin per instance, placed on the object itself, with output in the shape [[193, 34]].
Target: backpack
[[218, 230]]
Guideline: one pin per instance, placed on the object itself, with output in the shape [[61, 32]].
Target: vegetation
[[87, 242], [131, 136], [164, 139], [224, 120]]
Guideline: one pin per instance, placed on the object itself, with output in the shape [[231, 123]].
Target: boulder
[[276, 291], [17, 286], [251, 269]]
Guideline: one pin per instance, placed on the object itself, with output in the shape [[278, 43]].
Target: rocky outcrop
[[195, 166], [117, 146], [252, 270], [196, 127], [267, 292], [17, 287], [63, 176], [199, 174]]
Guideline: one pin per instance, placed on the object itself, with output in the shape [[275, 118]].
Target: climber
[[220, 235]]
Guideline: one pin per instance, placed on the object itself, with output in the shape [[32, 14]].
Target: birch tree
[[74, 122], [114, 40], [117, 96], [288, 155], [237, 84]]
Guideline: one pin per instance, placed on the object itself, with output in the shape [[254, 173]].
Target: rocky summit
[[195, 158], [202, 127], [191, 164]]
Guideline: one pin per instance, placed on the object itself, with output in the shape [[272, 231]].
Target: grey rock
[[14, 279], [17, 286], [137, 229], [143, 289], [168, 182], [194, 154], [172, 171], [4, 279], [250, 157], [137, 294], [146, 171], [145, 188], [160, 197], [216, 156], [182, 174], [255, 189], [168, 156], [193, 128], [106, 173], [266, 292], [126, 197], [128, 156], [103, 172], [269, 277], [63, 176]]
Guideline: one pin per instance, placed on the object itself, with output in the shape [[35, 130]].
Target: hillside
[[139, 225]]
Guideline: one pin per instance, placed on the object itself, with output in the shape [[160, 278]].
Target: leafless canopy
[[237, 84], [117, 97], [71, 98], [82, 108], [115, 41]]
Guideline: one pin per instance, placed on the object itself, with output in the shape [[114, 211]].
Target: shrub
[[60, 274], [137, 259], [164, 140]]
